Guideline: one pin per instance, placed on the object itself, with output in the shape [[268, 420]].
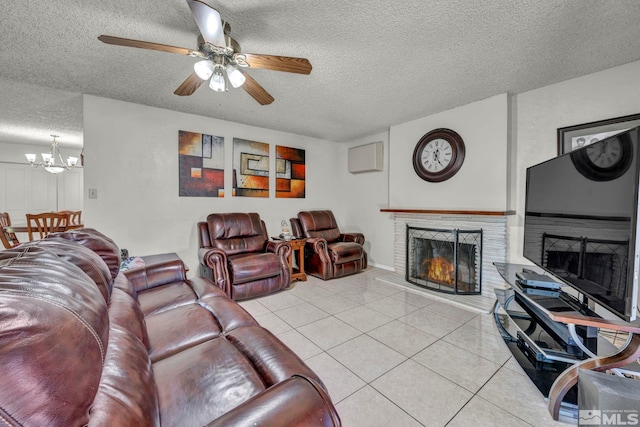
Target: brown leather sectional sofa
[[82, 343]]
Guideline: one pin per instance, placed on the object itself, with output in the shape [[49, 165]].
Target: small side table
[[296, 245], [298, 273]]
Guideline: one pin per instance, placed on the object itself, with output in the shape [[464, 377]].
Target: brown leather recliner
[[236, 253], [328, 252]]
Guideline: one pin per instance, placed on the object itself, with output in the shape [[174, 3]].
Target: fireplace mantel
[[449, 212]]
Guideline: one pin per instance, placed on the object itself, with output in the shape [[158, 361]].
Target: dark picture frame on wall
[[572, 137]]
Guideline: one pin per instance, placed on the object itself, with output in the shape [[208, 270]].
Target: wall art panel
[[201, 165], [250, 168], [290, 172]]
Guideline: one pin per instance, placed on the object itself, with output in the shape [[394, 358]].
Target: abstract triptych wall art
[[201, 165], [290, 172], [202, 168], [250, 168]]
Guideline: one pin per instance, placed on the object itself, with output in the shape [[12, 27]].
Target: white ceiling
[[375, 63]]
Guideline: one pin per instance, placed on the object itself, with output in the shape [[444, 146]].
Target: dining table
[[22, 228]]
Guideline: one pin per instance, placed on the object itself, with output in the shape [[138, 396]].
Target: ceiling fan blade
[[190, 85], [208, 22], [256, 91], [278, 63], [147, 45]]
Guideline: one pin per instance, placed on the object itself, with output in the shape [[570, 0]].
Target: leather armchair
[[236, 253], [328, 252]]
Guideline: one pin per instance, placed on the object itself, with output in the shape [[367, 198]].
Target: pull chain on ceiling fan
[[220, 57]]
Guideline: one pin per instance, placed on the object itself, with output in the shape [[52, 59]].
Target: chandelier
[[52, 161]]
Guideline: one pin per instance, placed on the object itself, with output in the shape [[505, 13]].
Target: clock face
[[438, 155], [604, 160], [606, 154]]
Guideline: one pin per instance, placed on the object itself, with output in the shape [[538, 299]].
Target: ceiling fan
[[219, 54]]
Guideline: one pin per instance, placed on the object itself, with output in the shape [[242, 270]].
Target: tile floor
[[393, 357]]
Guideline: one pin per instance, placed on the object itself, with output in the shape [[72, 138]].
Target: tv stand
[[553, 335]]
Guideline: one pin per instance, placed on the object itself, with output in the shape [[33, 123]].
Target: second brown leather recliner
[[329, 253]]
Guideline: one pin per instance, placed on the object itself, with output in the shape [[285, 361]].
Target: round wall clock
[[605, 160], [438, 155]]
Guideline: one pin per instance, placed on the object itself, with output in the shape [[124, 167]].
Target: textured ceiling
[[375, 63]]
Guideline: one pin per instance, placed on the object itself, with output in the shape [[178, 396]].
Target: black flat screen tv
[[581, 220]]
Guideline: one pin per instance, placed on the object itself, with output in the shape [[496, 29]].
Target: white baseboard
[[382, 266]]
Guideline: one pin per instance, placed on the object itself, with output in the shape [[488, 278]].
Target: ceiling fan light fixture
[[220, 57], [204, 69], [217, 82], [236, 77]]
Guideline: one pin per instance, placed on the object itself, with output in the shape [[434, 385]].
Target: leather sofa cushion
[[127, 393], [273, 407], [124, 310], [194, 315], [156, 273], [82, 257], [227, 313], [253, 266], [203, 382], [206, 381], [182, 327], [172, 295], [273, 360], [97, 242], [39, 290], [342, 252]]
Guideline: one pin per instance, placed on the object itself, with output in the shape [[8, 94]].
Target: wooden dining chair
[[9, 239], [75, 220], [46, 223]]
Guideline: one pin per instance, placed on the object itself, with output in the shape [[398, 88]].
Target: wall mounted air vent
[[365, 158]]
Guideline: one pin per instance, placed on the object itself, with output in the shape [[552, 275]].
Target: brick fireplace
[[494, 239]]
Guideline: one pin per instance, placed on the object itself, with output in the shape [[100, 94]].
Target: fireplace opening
[[445, 260]]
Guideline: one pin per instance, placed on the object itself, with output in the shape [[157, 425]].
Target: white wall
[[481, 183], [503, 135], [131, 158], [539, 113], [365, 194]]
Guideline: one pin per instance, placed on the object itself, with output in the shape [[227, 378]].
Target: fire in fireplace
[[440, 270], [445, 260]]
